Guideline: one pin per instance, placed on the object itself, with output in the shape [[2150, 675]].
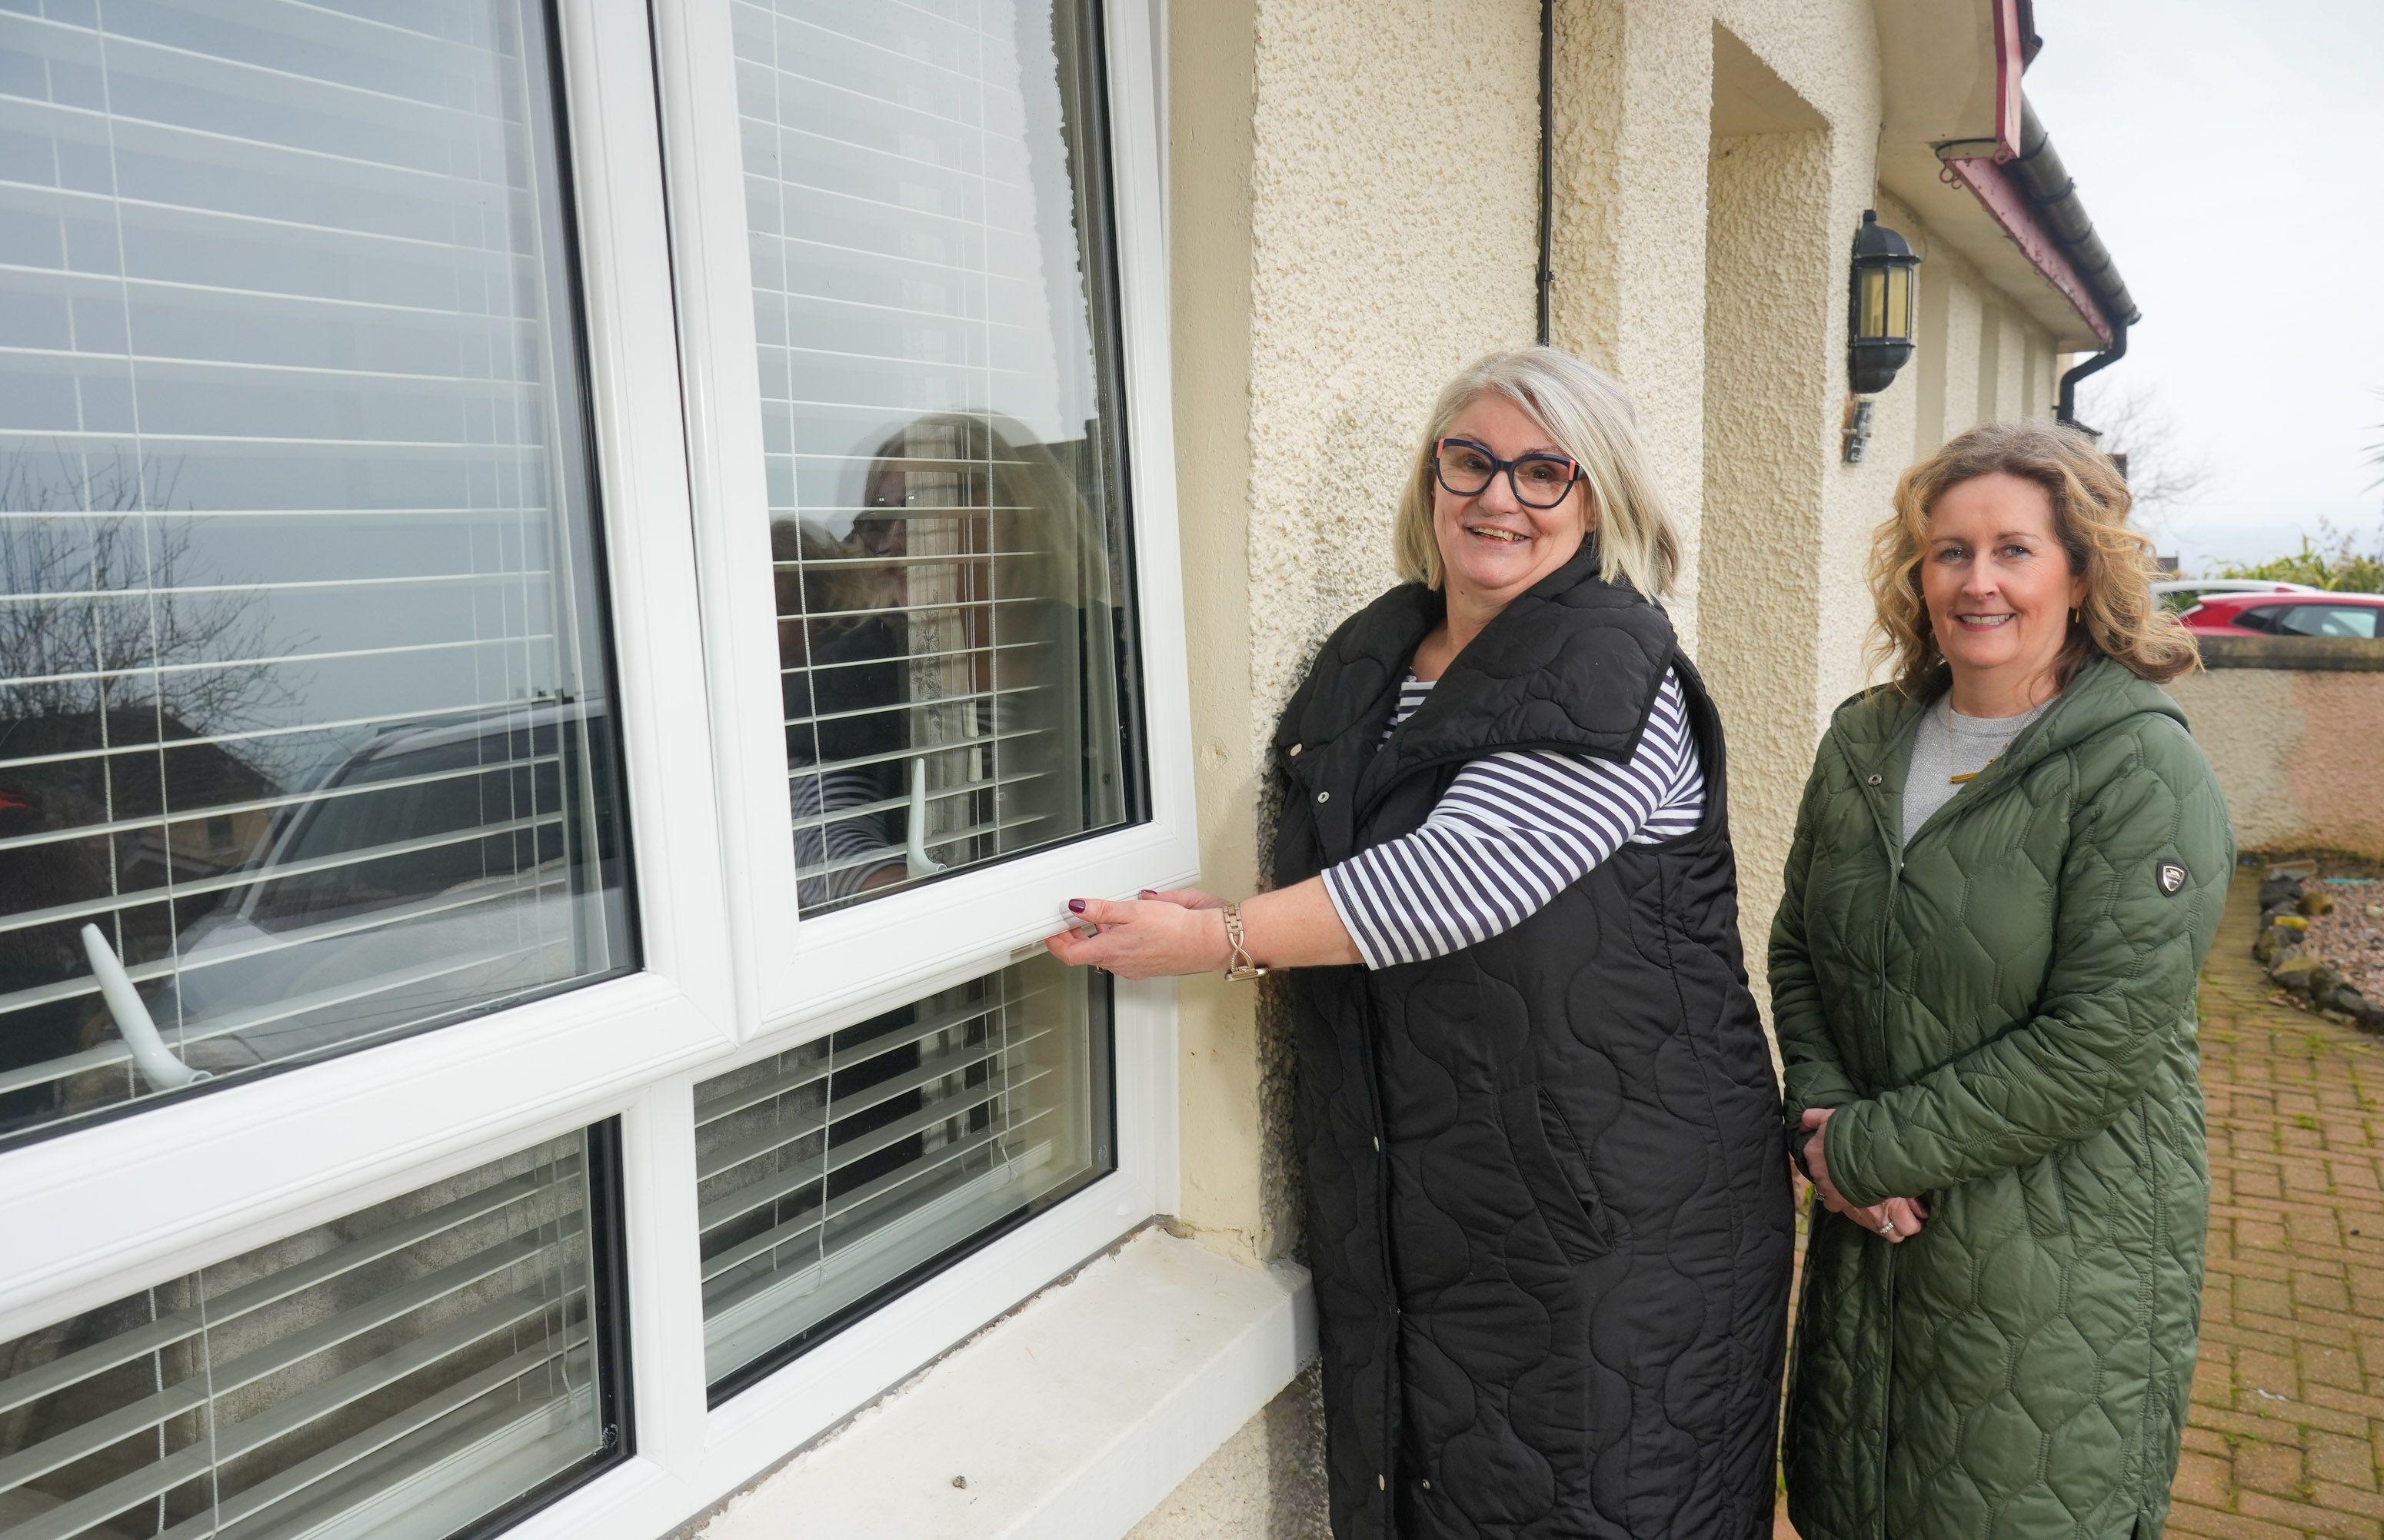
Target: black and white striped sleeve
[[1512, 832]]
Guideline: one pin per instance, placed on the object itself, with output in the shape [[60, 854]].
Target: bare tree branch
[[2162, 474]]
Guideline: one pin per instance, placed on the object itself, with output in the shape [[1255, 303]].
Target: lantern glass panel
[[1899, 300], [1872, 311]]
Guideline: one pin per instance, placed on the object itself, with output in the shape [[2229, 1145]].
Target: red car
[[2288, 615]]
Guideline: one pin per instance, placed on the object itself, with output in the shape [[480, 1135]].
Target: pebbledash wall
[[2289, 726], [1353, 205]]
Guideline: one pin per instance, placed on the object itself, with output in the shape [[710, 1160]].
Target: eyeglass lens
[[1539, 480]]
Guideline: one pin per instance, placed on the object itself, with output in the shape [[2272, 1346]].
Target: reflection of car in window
[[438, 868]]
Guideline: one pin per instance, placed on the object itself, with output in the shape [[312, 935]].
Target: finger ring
[[1887, 1226]]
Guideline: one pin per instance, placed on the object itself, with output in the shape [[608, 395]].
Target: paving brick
[[2294, 1305]]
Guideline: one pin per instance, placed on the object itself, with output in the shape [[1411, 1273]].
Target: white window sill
[[1074, 1417]]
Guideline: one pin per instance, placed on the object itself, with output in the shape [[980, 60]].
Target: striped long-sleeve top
[[1512, 832]]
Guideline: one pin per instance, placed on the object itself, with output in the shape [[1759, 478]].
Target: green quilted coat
[[2003, 1014]]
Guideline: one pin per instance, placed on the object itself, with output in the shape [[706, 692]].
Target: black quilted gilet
[[1547, 1213]]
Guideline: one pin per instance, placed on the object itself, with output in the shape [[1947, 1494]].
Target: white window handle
[[150, 1054], [915, 856]]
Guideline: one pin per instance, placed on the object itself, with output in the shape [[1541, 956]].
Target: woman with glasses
[[1547, 1216]]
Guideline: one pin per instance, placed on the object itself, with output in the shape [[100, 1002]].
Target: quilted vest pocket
[[1568, 1204]]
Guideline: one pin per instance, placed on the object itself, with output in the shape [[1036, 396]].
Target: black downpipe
[[1546, 276], [2102, 360]]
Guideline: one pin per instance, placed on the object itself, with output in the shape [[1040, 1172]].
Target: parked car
[[2311, 612], [2182, 593]]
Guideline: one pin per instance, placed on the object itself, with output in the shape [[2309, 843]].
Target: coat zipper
[[1879, 1028]]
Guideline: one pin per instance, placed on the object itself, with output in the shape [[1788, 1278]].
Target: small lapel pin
[[2172, 877]]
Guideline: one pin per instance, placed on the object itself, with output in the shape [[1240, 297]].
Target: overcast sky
[[2231, 153]]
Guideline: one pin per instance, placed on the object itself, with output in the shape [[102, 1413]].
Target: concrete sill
[[1074, 1417]]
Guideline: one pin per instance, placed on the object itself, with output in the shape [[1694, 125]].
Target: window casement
[[921, 312], [627, 562], [922, 327], [840, 1170], [423, 1365], [305, 720]]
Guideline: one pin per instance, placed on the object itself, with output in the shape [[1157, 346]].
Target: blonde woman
[[2007, 871], [1547, 1216]]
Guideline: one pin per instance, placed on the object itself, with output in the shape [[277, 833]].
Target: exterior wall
[[2295, 751], [1979, 358], [1267, 1480], [1350, 224], [1702, 138]]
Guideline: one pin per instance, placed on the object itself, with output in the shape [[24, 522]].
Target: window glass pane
[[838, 1173], [940, 417], [2325, 620], [400, 1373], [303, 692]]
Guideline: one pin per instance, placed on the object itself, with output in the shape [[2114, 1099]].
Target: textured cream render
[[1353, 217], [2295, 752]]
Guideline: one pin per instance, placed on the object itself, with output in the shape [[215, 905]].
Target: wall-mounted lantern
[[1882, 314], [1885, 308]]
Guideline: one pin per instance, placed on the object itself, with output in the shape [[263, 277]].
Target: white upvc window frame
[[96, 1214], [808, 968]]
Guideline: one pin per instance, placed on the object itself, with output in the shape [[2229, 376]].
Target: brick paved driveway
[[2287, 1436], [2288, 1430]]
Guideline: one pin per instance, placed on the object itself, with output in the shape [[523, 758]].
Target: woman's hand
[[1180, 931], [1189, 898], [1896, 1220], [1153, 938]]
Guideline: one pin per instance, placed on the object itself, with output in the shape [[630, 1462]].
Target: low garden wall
[[2294, 727]]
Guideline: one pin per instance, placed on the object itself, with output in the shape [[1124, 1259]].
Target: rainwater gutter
[[2035, 200]]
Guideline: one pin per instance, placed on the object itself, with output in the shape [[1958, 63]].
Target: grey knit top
[[1948, 744]]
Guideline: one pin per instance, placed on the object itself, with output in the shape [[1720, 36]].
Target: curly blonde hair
[[2119, 617]]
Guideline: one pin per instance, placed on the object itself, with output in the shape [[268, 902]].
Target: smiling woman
[[1530, 1067], [2007, 870]]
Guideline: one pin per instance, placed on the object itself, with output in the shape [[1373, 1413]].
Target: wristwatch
[[1244, 966]]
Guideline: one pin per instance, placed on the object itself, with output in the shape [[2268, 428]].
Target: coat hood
[[1876, 727]]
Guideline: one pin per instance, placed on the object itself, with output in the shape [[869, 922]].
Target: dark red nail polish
[[1075, 906]]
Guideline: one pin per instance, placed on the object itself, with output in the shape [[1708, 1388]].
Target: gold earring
[[2075, 617]]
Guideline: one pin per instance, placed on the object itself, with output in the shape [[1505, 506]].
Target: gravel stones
[[2324, 942]]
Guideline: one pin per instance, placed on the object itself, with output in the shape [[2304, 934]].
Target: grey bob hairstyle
[[1587, 417]]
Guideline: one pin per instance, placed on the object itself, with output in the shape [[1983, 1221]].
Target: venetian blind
[[829, 1174], [406, 1369], [302, 733], [932, 304]]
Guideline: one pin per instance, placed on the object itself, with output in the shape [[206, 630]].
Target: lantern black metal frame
[[1879, 343]]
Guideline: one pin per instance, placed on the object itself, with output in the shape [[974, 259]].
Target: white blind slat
[[357, 1351], [302, 677], [936, 420], [837, 1147]]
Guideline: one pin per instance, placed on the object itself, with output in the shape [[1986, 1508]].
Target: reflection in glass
[[400, 1373], [303, 695], [833, 1173], [932, 293]]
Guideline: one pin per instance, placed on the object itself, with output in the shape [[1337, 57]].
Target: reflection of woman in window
[[839, 656], [953, 652]]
